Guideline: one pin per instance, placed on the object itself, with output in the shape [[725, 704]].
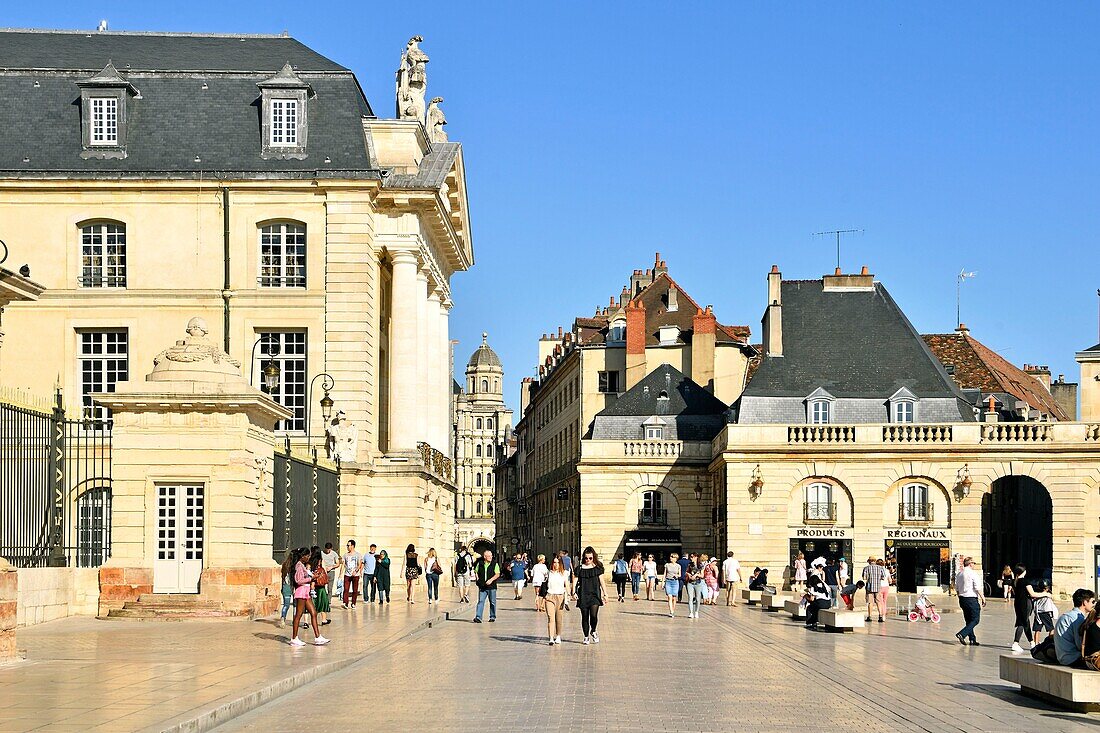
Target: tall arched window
[[488, 480], [488, 450], [484, 385], [479, 507], [488, 423], [478, 424], [477, 479], [652, 511], [477, 450], [283, 255], [103, 255], [819, 503]]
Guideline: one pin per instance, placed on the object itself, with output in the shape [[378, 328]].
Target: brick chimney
[[1065, 394], [704, 327], [635, 343], [1042, 373], [773, 317]]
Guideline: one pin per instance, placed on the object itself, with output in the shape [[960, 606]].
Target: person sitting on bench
[[759, 580], [1066, 646], [817, 596]]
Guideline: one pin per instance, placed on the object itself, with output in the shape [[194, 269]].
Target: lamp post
[[270, 370], [326, 403]]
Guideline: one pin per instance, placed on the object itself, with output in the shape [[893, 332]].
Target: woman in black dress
[[1023, 595], [412, 572], [590, 594]]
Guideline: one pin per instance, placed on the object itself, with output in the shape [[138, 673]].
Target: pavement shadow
[[524, 639], [281, 638], [1011, 694]]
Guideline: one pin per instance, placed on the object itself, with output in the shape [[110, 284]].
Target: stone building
[[244, 179], [483, 426], [849, 435]]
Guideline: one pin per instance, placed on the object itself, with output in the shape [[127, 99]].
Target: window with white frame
[[488, 423], [283, 256], [104, 121], [103, 255], [652, 508], [477, 479], [617, 332], [479, 424], [914, 502], [904, 411], [288, 350], [477, 450], [104, 362], [819, 501], [284, 122], [654, 432], [488, 480], [820, 411]]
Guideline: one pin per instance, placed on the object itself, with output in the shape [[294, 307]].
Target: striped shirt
[[874, 576]]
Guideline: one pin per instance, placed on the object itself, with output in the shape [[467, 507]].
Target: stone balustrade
[[653, 448], [916, 433], [646, 450]]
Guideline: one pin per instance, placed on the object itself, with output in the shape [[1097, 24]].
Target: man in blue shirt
[[519, 575], [684, 561], [1067, 631]]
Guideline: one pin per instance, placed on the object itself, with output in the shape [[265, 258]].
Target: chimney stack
[[673, 299], [1041, 373], [1065, 394], [704, 327], [1089, 359], [962, 329], [773, 316], [991, 414], [635, 343]]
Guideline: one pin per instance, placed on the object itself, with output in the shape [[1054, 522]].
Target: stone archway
[[1017, 527], [481, 544]]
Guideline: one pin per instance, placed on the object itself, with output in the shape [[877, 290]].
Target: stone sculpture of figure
[[436, 121], [412, 81], [343, 438]]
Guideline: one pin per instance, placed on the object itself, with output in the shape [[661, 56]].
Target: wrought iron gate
[[55, 486], [305, 503]]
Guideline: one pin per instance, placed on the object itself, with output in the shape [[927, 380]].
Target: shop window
[[915, 504]]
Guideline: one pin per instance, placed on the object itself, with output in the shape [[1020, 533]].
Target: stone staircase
[[176, 607]]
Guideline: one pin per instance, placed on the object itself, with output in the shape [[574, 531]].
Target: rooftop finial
[[484, 337]]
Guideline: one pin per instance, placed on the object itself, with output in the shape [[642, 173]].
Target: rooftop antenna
[[837, 233], [963, 275], [1098, 312], [102, 25]]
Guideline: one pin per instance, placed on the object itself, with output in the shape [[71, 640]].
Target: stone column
[[431, 387], [403, 353], [423, 421], [445, 372], [9, 602]]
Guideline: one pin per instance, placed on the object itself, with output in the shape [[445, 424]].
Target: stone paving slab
[[732, 669], [93, 675]]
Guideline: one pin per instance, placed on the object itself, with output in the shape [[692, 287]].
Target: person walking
[[518, 569], [464, 567], [684, 561], [1005, 583], [884, 589], [649, 567], [695, 586], [330, 560], [874, 575], [799, 583], [968, 586], [370, 577], [832, 579], [486, 574], [710, 578], [303, 581], [567, 562], [412, 572], [323, 603], [287, 577], [382, 577], [1023, 596], [557, 583], [673, 573], [432, 572], [538, 582], [619, 573], [353, 569], [590, 594], [636, 571], [842, 571], [731, 574]]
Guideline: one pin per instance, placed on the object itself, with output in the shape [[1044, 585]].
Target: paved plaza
[[733, 669]]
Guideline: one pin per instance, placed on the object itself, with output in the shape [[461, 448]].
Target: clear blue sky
[[724, 135]]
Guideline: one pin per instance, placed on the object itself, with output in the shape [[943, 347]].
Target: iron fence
[[55, 487], [305, 503]]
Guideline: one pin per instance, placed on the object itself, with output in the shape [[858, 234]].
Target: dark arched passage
[[1017, 528]]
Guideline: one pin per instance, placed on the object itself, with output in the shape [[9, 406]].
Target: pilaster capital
[[404, 257]]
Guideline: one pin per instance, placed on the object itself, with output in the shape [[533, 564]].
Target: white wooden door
[[180, 529]]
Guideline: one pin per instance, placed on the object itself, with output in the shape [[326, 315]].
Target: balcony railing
[[916, 433], [653, 516], [652, 448], [910, 513], [821, 434], [819, 512], [437, 464], [1016, 432]]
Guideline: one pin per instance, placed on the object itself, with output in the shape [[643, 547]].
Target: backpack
[[462, 567]]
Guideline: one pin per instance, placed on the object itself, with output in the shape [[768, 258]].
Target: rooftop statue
[[412, 81], [436, 121]]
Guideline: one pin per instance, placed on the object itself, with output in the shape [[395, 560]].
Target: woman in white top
[[799, 580], [556, 581], [842, 572], [538, 577], [673, 571], [650, 569]]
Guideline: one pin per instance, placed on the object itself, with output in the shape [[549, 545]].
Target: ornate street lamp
[[963, 482], [326, 403], [270, 370], [756, 486]]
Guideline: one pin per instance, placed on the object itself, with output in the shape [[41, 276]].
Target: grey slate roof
[[689, 413], [174, 120], [432, 171], [853, 344]]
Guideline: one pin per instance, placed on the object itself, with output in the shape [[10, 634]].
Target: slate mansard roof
[[858, 346], [688, 410], [173, 120]]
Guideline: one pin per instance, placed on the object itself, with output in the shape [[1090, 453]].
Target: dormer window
[[285, 115], [669, 335], [617, 332], [103, 114], [654, 432], [903, 406], [819, 407]]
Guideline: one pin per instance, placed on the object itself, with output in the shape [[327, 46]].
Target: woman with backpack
[[619, 574], [303, 582], [412, 571], [431, 564]]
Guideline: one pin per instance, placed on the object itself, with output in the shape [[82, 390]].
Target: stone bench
[[836, 619], [794, 608], [751, 597], [772, 601], [1073, 689]]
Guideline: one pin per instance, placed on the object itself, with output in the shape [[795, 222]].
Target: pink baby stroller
[[924, 609]]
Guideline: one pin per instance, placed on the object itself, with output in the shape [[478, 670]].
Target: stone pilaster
[[403, 353], [9, 602]]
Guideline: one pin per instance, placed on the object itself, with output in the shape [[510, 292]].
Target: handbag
[[436, 570]]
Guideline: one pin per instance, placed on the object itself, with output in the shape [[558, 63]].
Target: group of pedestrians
[[305, 585]]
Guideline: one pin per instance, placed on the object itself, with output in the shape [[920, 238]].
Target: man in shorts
[[731, 574], [464, 569]]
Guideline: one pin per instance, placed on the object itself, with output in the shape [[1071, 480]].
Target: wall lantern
[[756, 486], [963, 483]]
